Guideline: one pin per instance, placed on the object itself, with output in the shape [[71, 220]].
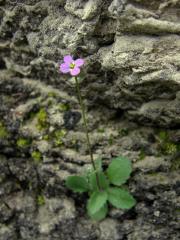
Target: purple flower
[[71, 66]]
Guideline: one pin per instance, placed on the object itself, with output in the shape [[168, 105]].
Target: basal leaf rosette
[[107, 189]]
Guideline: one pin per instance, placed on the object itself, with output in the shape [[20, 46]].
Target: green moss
[[30, 185], [42, 119], [74, 141], [175, 164], [101, 130], [23, 142], [40, 200], [169, 148], [3, 131], [166, 146], [52, 94], [163, 135], [142, 155], [157, 176], [111, 140], [58, 136], [42, 116], [74, 144], [153, 174], [123, 132], [64, 107], [31, 115], [37, 156], [46, 137], [50, 102], [177, 210]]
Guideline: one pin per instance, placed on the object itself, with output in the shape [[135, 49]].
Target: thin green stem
[[86, 129]]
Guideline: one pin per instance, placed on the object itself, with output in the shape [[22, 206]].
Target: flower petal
[[68, 59], [79, 62], [64, 68], [75, 71]]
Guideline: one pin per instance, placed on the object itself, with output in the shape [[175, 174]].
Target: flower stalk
[[86, 129]]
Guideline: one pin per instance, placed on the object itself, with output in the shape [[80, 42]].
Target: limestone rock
[[131, 86]]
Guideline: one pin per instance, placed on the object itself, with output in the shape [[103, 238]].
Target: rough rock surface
[[131, 83]]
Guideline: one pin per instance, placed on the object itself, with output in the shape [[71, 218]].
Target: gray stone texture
[[131, 86]]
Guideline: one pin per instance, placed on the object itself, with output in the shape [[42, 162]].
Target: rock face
[[131, 83]]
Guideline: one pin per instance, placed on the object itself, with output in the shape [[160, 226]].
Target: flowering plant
[[71, 66], [103, 186]]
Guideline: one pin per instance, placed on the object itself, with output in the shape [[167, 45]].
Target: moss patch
[[3, 131], [42, 118], [37, 156], [58, 136], [52, 94], [101, 130], [123, 132], [166, 146], [40, 200], [64, 107], [142, 154], [23, 142], [175, 164], [111, 140]]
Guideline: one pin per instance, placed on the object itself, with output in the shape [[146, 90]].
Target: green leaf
[[119, 170], [120, 198], [77, 184], [101, 214], [96, 202], [103, 181]]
